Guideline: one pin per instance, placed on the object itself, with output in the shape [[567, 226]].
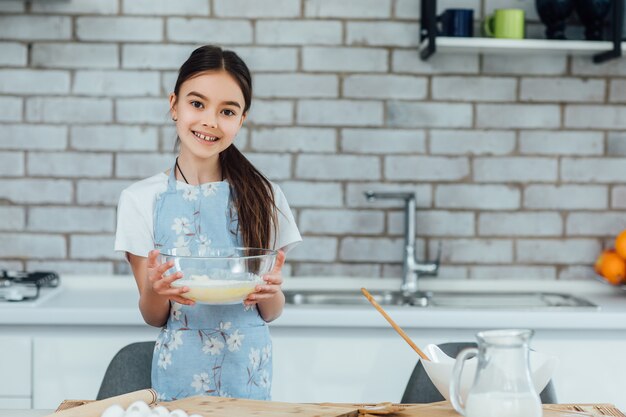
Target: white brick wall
[[383, 141], [460, 142], [385, 87], [344, 59], [383, 34], [315, 32], [75, 55], [561, 143], [474, 89], [69, 110], [69, 164], [71, 219], [518, 115], [426, 168], [222, 31], [137, 29], [11, 109], [515, 170], [341, 222], [562, 89], [77, 7], [334, 167], [340, 113], [517, 162], [166, 7], [348, 8], [13, 54], [407, 114], [29, 82], [294, 139], [34, 137], [35, 28], [256, 9], [566, 197], [296, 85], [116, 83]]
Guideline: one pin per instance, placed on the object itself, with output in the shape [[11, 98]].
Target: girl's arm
[[269, 297], [155, 290]]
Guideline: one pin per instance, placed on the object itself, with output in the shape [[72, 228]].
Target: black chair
[[420, 389], [129, 370]]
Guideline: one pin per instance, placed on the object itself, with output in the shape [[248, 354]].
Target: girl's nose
[[210, 123]]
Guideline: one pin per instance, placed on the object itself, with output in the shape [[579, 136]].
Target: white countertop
[[92, 300]]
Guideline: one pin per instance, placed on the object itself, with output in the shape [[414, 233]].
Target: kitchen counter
[[58, 347], [112, 301]]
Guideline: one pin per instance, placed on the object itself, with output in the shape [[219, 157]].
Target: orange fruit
[[620, 244], [611, 266]]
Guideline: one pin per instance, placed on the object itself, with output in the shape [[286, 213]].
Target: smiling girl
[[212, 196]]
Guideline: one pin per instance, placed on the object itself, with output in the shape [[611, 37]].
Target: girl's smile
[[205, 137]]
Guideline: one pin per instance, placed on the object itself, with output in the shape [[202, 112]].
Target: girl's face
[[209, 113]]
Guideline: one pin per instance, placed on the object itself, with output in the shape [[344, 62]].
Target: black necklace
[[181, 171]]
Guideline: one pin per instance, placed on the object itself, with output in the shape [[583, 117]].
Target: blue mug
[[457, 23]]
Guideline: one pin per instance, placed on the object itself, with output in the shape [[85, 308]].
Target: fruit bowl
[[439, 370], [219, 275]]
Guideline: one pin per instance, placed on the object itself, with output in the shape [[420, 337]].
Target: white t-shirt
[[135, 214]]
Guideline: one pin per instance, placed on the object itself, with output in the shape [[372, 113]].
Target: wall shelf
[[601, 51], [518, 46]]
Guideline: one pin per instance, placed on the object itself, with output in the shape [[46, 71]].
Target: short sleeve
[[134, 231], [288, 235]]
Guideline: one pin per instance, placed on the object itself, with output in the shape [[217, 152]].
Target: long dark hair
[[251, 192]]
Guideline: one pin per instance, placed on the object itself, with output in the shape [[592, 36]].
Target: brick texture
[[517, 162]]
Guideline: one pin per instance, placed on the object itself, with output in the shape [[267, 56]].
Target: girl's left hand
[[273, 281]]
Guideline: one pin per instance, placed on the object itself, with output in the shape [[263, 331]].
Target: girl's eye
[[228, 112], [196, 104]]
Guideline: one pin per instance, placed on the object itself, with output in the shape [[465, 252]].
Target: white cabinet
[[15, 371], [72, 367], [374, 365]]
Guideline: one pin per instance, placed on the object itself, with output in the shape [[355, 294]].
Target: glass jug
[[503, 385]]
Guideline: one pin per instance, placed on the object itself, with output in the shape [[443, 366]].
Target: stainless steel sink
[[443, 299]]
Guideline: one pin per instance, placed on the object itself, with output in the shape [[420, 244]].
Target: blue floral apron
[[219, 350]]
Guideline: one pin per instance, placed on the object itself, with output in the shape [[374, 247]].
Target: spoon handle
[[394, 325]]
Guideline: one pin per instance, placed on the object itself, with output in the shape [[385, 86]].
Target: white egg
[[140, 406], [136, 413], [160, 411], [195, 415], [178, 413], [113, 411]]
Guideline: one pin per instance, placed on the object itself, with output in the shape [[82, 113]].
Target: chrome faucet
[[412, 269]]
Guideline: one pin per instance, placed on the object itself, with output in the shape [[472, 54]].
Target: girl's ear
[[173, 105], [243, 117]]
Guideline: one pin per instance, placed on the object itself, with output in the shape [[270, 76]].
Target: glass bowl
[[219, 275]]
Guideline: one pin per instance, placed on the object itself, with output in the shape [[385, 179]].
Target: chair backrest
[[420, 389], [129, 370]]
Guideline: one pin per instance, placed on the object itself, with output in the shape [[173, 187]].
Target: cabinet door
[[22, 403], [15, 367], [72, 367]]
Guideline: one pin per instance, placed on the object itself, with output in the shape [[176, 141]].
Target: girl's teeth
[[207, 138]]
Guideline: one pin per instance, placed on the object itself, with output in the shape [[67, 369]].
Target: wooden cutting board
[[231, 407]]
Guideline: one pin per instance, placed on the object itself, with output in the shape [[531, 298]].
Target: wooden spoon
[[394, 325]]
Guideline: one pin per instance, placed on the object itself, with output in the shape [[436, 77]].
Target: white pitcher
[[503, 386]]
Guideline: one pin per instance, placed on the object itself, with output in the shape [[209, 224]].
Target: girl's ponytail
[[253, 199]]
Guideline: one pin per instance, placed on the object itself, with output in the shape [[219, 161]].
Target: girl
[[212, 196]]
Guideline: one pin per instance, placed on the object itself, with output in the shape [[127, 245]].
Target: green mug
[[505, 23]]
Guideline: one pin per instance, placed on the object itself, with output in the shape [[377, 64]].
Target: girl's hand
[[161, 284], [273, 281]]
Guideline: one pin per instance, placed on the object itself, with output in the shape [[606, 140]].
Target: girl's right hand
[[162, 284]]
